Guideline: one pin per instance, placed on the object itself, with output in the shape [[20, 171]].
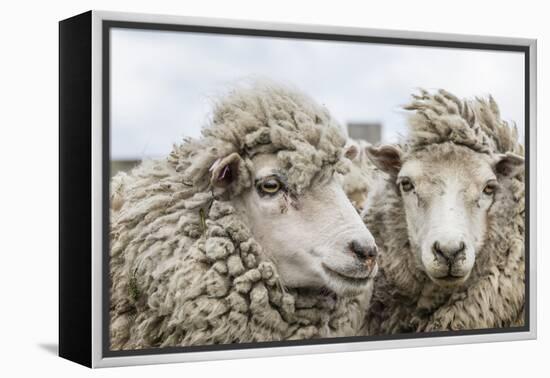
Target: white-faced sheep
[[450, 224], [363, 179], [242, 235]]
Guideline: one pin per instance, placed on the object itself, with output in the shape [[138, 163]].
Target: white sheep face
[[316, 239], [446, 204], [447, 195]]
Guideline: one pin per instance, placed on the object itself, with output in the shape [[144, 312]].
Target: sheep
[[362, 179], [243, 235], [450, 224]]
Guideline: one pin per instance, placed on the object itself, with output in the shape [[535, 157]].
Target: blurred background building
[[369, 131], [123, 165]]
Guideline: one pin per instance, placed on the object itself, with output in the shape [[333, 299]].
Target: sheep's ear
[[387, 158], [225, 170], [351, 151], [509, 164]]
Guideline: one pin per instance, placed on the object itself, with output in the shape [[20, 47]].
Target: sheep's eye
[[270, 186], [406, 185], [490, 188]]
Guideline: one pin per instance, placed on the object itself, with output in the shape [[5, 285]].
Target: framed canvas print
[[232, 189]]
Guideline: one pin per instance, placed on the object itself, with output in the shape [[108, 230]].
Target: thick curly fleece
[[405, 300], [185, 269]]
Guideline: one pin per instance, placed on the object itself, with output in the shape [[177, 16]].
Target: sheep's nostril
[[362, 251], [436, 249], [357, 249], [372, 251]]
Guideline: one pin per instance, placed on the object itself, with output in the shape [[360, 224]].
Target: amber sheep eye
[[490, 188], [270, 186], [406, 185]]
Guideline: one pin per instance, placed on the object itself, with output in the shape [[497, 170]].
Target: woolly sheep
[[243, 235], [450, 224], [363, 179]]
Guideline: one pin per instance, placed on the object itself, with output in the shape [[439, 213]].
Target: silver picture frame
[[100, 21]]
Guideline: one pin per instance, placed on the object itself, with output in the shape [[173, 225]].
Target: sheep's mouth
[[449, 276], [356, 280], [449, 280]]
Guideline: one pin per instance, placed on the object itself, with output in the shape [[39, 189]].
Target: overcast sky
[[163, 82]]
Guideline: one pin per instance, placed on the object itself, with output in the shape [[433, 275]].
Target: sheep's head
[[315, 237], [447, 191], [452, 175], [278, 157], [362, 179]]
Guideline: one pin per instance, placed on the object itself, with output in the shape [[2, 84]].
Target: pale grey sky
[[163, 82]]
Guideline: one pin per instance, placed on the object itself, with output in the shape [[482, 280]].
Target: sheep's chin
[[347, 286]]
